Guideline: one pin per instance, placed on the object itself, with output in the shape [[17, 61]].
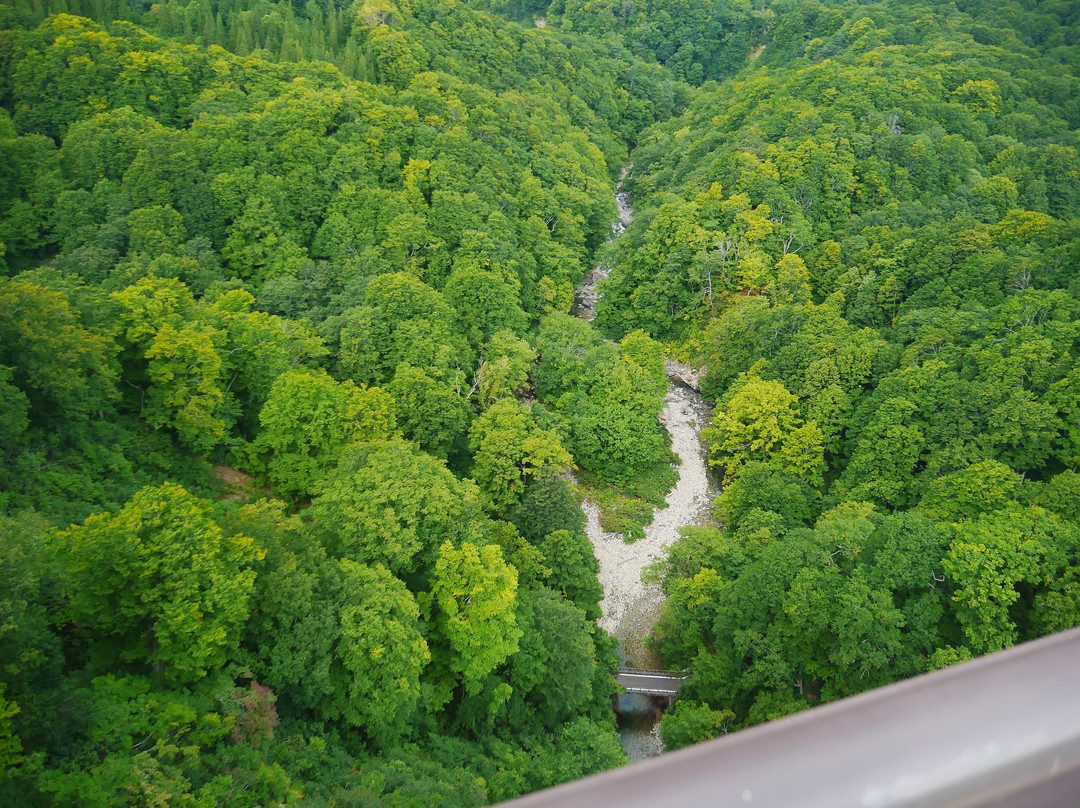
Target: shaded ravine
[[631, 608], [587, 293]]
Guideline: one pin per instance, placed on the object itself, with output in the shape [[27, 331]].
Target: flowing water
[[586, 295], [631, 608]]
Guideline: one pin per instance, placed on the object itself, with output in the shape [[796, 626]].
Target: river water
[[631, 608], [587, 293]]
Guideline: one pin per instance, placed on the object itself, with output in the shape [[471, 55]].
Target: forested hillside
[[873, 248], [334, 290], [289, 387]]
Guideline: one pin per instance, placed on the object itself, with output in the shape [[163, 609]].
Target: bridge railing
[[642, 691], [647, 672], [1002, 731]]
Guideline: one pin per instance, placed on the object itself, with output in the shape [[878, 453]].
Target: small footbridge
[[651, 683]]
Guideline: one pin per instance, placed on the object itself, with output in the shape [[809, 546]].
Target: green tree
[[554, 667], [379, 655], [985, 562], [392, 504], [760, 418], [505, 367], [509, 446], [980, 488], [690, 723], [574, 569], [485, 303], [884, 460], [159, 583], [307, 422], [429, 411], [290, 636], [474, 592], [402, 321], [186, 392], [547, 505], [63, 369]]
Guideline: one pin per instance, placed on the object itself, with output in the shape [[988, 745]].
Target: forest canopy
[[292, 402]]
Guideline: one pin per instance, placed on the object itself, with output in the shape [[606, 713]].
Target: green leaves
[[760, 419], [393, 504], [689, 723], [403, 321], [160, 584], [987, 560], [185, 372], [380, 653], [64, 369], [509, 445], [307, 422], [474, 592]]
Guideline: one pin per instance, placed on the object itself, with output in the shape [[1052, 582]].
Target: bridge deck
[[654, 683]]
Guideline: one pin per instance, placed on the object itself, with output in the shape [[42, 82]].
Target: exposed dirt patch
[[238, 486]]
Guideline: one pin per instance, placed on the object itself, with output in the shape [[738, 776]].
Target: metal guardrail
[[649, 672], [640, 691], [1002, 731]]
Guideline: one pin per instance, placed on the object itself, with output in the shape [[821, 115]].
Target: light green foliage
[[380, 653], [985, 562], [179, 372], [1061, 494], [145, 746], [980, 488], [509, 446], [10, 745], [393, 504], [688, 613], [258, 348], [156, 230], [504, 370], [307, 422], [944, 657], [474, 594], [689, 723], [150, 303], [1065, 396], [608, 396], [159, 583], [760, 419], [484, 300], [186, 386], [565, 345]]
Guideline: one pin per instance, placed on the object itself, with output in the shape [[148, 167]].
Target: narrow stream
[[586, 295], [631, 608]]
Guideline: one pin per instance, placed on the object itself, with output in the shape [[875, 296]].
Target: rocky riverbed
[[588, 292], [630, 608]]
